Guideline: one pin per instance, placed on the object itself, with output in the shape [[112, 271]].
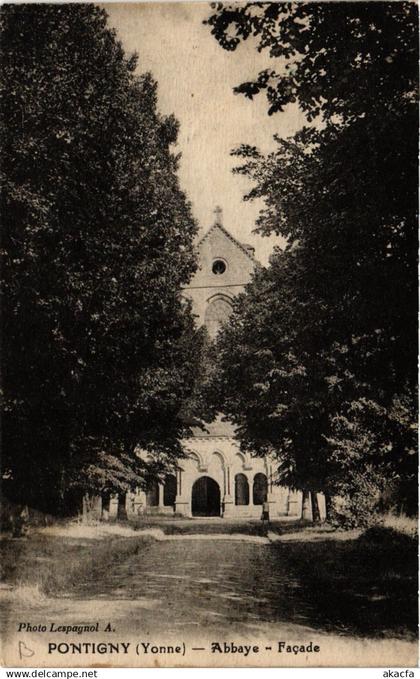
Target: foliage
[[357, 500], [97, 242], [338, 61], [200, 407], [324, 343], [262, 385], [371, 437]]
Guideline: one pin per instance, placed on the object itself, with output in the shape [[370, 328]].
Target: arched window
[[169, 491], [152, 493], [241, 490], [217, 312], [259, 489]]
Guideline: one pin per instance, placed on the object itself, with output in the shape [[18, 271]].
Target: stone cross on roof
[[219, 214]]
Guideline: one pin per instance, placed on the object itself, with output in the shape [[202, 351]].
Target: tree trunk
[[328, 506], [86, 509], [316, 514], [306, 506], [62, 490], [122, 510]]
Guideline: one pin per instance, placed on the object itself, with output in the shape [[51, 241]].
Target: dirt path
[[187, 583]]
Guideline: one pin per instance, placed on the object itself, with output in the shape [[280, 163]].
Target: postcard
[[209, 334]]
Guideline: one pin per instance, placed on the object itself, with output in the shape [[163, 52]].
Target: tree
[[271, 380], [343, 192], [99, 350]]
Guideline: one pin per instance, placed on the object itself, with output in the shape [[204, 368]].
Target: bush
[[357, 506]]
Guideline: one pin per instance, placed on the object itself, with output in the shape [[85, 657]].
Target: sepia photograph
[[209, 334]]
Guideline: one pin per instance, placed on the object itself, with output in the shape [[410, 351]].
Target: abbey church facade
[[217, 479]]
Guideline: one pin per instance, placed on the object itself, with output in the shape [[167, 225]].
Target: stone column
[[113, 506], [228, 500], [182, 503]]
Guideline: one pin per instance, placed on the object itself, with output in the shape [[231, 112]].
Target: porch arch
[[205, 497]]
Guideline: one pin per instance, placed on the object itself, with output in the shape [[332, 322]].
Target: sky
[[195, 82]]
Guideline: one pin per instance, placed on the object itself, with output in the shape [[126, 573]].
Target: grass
[[401, 524], [54, 564]]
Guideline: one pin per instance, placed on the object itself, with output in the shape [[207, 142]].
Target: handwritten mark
[[24, 651]]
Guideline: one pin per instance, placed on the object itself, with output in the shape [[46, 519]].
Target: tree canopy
[[335, 59], [99, 348], [330, 326]]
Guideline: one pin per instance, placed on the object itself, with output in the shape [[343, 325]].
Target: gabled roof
[[219, 427], [241, 246]]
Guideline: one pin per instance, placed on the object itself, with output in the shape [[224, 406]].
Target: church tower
[[225, 267]]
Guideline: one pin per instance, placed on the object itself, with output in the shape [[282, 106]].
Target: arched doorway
[[259, 489], [205, 499]]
